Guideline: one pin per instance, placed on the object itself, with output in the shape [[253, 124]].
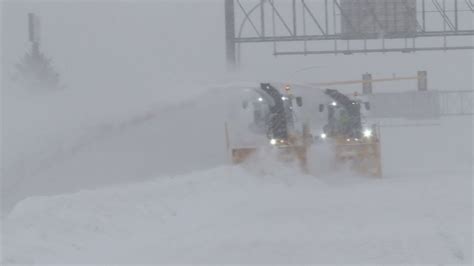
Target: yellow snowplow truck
[[274, 118], [354, 142]]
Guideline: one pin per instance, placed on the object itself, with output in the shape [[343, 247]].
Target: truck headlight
[[323, 136], [273, 141], [367, 133]]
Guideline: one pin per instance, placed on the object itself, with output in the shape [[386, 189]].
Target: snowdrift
[[238, 215]]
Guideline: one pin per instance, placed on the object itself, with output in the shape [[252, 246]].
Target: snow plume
[[45, 136], [273, 162], [321, 158]]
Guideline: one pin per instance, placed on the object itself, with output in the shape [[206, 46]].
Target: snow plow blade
[[363, 156], [284, 154], [240, 155]]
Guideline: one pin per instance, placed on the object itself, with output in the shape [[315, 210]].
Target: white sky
[[146, 44]]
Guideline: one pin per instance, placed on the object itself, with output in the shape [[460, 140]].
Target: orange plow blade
[[364, 157], [240, 155]]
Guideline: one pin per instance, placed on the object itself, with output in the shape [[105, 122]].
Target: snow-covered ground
[[232, 214]]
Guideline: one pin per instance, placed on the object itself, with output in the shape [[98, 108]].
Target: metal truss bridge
[[306, 27]]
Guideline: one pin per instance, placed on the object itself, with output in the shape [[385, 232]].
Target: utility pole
[[33, 34], [230, 34]]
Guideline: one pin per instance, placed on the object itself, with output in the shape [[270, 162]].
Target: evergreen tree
[[35, 71]]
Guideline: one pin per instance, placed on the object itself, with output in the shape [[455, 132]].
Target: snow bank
[[237, 215]]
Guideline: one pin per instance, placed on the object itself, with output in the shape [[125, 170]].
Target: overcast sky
[[147, 44]]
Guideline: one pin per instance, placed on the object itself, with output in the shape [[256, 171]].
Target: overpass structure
[[308, 27]]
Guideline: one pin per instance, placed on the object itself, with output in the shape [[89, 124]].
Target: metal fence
[[421, 105], [456, 103]]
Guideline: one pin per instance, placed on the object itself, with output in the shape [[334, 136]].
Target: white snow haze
[[127, 161]]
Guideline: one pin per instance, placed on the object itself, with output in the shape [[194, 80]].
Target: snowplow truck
[[354, 142], [273, 116]]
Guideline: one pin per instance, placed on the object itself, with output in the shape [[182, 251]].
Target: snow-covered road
[[234, 215]]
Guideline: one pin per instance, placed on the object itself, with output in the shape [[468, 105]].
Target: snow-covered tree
[[35, 71]]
